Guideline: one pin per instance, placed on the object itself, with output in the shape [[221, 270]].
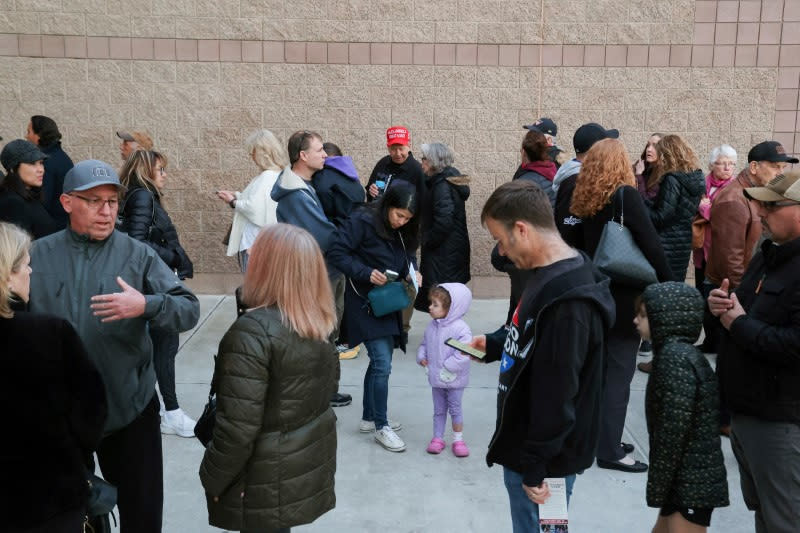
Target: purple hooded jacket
[[447, 367]]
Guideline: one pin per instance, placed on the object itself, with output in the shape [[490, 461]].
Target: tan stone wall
[[199, 75]]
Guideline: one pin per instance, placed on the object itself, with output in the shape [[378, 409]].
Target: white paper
[[413, 275], [553, 513]]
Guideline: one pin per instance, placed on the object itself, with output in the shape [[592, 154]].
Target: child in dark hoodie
[[687, 477], [448, 369]]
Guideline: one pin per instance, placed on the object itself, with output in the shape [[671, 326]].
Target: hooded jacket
[[447, 367], [299, 205], [272, 458], [338, 188], [551, 372], [672, 213], [445, 251], [681, 405], [68, 269], [570, 168], [144, 219], [409, 171]]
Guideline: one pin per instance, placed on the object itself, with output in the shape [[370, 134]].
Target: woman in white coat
[[253, 208]]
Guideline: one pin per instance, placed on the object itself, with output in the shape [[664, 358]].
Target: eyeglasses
[[96, 204], [774, 206]]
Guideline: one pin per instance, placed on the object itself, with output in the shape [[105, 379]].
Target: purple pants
[[445, 400]]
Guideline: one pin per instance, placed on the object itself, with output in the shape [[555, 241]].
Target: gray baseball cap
[[90, 174]]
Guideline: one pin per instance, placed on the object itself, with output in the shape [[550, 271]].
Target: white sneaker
[[387, 438], [176, 422], [368, 426]]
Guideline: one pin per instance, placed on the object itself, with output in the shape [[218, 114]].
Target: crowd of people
[[92, 292]]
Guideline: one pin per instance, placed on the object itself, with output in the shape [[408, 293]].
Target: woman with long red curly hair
[[605, 187]]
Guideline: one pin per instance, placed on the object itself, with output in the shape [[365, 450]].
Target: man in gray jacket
[[111, 288]]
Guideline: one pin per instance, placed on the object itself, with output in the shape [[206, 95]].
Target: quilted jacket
[[681, 405], [672, 213], [272, 459]]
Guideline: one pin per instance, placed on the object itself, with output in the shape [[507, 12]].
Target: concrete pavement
[[413, 491]]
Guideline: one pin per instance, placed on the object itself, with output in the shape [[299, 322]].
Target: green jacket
[[272, 459], [682, 405], [68, 269]]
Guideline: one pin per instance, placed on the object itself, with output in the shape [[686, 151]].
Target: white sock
[[457, 436]]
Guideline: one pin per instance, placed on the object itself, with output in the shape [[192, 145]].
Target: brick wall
[[199, 75]]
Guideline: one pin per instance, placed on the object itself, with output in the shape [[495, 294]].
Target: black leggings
[[165, 347]]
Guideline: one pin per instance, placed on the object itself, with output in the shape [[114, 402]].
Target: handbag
[[388, 298], [204, 428], [617, 255], [100, 505]]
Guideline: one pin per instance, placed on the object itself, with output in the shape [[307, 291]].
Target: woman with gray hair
[[253, 208], [445, 251]]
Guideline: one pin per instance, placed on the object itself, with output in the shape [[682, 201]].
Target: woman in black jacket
[[445, 251], [378, 237], [59, 410], [43, 132], [19, 190], [680, 185], [605, 186], [146, 220]]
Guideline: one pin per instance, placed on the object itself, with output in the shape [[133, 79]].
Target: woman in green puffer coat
[[271, 462], [687, 477]]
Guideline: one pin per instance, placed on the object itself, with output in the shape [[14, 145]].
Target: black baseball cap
[[590, 133], [543, 125], [772, 151]]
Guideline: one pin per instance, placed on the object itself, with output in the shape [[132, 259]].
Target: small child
[[687, 477], [448, 369]]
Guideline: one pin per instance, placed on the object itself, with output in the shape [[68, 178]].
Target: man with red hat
[[399, 166]]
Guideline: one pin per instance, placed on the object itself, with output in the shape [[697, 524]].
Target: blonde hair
[[139, 168], [605, 168], [267, 151], [286, 269], [14, 246]]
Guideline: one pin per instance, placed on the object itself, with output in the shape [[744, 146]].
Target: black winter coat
[[27, 213], [54, 422], [759, 356], [145, 220], [672, 212], [358, 247], [445, 251], [56, 167], [682, 405], [410, 171], [337, 193]]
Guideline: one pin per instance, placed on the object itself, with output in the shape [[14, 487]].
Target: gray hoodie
[[573, 166]]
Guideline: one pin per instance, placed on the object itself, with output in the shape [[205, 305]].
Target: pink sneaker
[[460, 449], [436, 446]]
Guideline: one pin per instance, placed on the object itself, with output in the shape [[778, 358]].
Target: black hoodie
[[410, 171], [551, 372]]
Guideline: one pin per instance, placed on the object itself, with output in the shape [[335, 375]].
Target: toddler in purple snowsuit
[[448, 369]]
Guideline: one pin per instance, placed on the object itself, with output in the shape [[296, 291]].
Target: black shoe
[[340, 400], [636, 467], [627, 448], [645, 349]]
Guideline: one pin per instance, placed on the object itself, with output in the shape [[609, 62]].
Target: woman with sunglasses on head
[[59, 406], [20, 189], [145, 219]]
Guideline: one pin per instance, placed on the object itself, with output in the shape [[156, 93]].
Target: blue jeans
[[376, 380], [525, 513]]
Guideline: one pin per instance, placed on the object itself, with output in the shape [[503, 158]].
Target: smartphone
[[391, 275], [465, 348]]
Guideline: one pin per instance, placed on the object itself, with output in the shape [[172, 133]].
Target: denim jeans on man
[[376, 380], [525, 513]]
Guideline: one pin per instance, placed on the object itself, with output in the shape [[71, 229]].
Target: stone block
[[423, 54], [645, 11], [252, 51], [306, 96], [30, 45], [477, 98], [409, 75], [755, 78], [454, 119], [287, 118], [369, 31], [155, 115], [198, 28], [62, 23], [65, 69], [789, 78], [23, 23], [97, 47], [102, 113], [582, 77], [369, 118], [142, 48], [499, 32], [119, 48], [192, 72], [414, 32], [153, 27], [224, 94], [772, 10], [108, 25], [790, 55], [208, 50], [87, 92], [237, 73], [629, 33], [205, 116], [456, 32], [203, 159], [455, 76], [109, 70], [263, 95], [769, 33]]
